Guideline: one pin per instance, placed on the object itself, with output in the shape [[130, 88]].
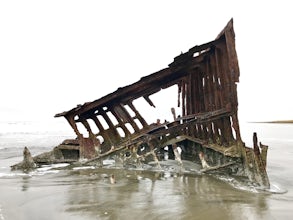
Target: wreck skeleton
[[207, 131]]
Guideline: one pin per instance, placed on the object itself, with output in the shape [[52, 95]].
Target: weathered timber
[[206, 130]]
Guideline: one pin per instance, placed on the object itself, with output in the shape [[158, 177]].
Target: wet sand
[[70, 193], [89, 194]]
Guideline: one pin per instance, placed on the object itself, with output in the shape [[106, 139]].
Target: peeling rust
[[206, 130]]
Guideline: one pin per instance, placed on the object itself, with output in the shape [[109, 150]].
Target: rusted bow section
[[206, 130]]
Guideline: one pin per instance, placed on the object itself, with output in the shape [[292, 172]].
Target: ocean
[[63, 192]]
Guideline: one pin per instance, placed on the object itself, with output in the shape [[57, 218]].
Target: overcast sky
[[57, 54]]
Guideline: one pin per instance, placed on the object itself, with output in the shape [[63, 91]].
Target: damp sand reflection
[[154, 195]]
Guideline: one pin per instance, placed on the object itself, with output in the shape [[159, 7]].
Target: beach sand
[[63, 192]]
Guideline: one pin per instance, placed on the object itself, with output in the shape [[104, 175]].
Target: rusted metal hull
[[207, 129]]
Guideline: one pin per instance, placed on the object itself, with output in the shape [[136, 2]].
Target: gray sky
[[57, 54]]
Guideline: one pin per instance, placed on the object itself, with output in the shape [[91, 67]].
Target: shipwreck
[[205, 128]]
